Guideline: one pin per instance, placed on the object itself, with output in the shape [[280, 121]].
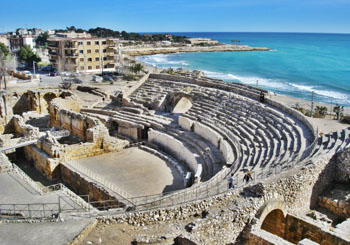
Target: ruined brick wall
[[298, 229], [84, 186], [343, 167]]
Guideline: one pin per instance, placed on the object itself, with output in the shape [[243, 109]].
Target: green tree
[[26, 55], [321, 111], [136, 68], [42, 39], [4, 51]]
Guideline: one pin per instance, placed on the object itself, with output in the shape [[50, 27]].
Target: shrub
[[346, 119]]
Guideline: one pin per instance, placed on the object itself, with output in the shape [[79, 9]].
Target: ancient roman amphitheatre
[[148, 163]]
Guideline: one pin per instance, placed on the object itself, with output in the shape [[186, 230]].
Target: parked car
[[97, 78], [65, 74], [27, 73], [53, 73], [77, 80], [108, 78], [46, 68]]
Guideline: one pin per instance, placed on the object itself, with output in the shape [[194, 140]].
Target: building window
[[82, 59], [89, 67], [104, 58], [97, 59], [88, 43], [82, 68], [97, 51], [104, 42], [97, 42], [81, 51], [105, 66], [89, 51], [89, 59], [104, 50], [97, 67], [80, 43]]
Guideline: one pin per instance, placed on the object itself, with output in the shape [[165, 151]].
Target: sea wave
[[161, 60], [326, 95], [280, 85]]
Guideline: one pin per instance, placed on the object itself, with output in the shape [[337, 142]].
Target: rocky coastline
[[140, 51]]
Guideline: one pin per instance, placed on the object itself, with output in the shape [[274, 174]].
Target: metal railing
[[17, 170], [41, 211], [78, 199], [118, 192]]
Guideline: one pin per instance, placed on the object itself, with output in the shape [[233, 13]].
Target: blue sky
[[328, 16]]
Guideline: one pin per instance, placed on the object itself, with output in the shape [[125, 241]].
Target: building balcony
[[54, 61], [53, 45], [53, 53], [70, 47], [71, 55]]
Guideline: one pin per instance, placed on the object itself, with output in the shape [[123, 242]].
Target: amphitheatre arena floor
[[137, 172]]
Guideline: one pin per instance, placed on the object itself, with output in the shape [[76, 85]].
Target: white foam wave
[[326, 93], [264, 82], [276, 84], [161, 60]]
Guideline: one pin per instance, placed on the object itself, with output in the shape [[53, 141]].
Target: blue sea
[[297, 64]]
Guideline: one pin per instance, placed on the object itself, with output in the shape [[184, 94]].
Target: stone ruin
[[207, 129]]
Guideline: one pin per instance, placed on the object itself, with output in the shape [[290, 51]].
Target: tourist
[[262, 97], [247, 177], [230, 181]]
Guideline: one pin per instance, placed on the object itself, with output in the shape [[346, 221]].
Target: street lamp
[[34, 67]]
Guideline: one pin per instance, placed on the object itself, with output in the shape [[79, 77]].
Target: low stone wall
[[207, 133], [81, 185], [227, 152], [261, 237], [174, 147], [185, 123]]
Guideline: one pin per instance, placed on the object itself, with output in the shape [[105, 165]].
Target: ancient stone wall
[[339, 207], [82, 185], [297, 229], [185, 123], [173, 147], [207, 133], [23, 129], [42, 161], [343, 167], [71, 103]]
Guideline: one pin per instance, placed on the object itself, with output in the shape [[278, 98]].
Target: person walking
[[230, 181], [247, 177]]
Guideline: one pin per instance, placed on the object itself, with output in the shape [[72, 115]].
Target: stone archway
[[177, 103], [275, 223], [271, 217]]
